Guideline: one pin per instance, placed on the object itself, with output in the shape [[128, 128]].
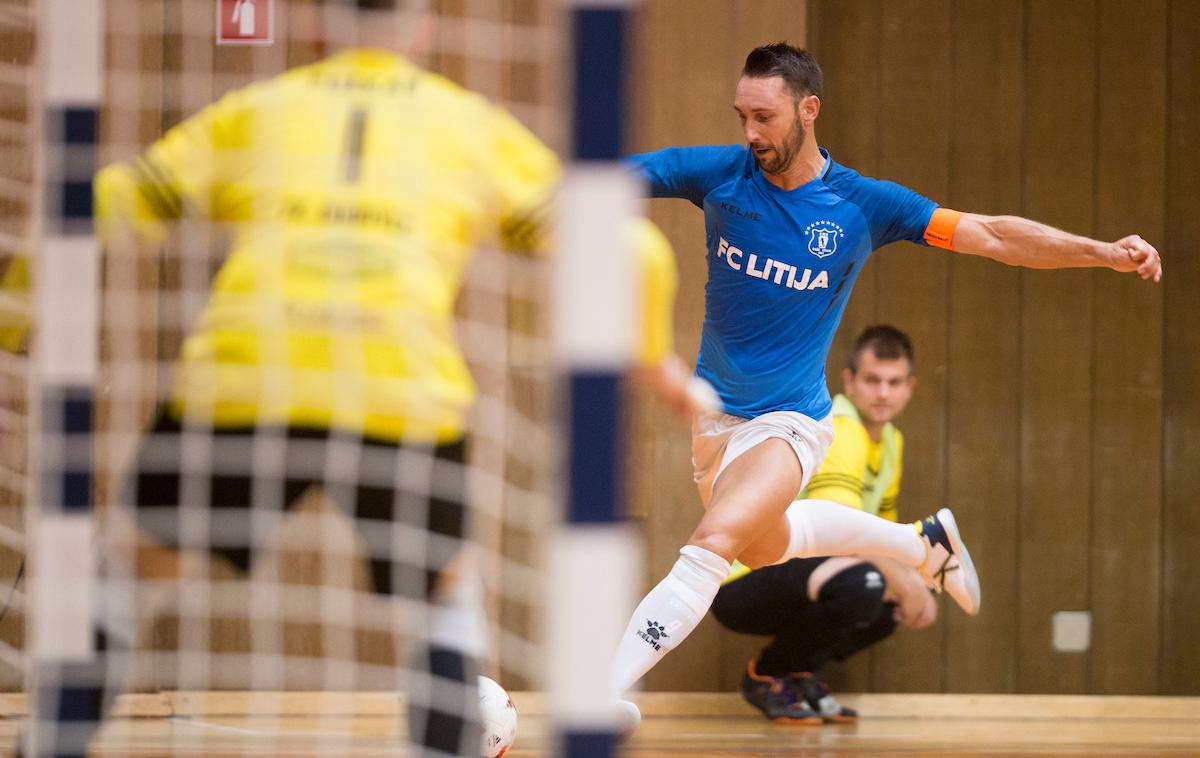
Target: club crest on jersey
[[823, 237]]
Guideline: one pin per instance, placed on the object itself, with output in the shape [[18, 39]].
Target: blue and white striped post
[[594, 557], [65, 343]]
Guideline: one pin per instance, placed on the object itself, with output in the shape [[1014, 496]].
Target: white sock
[[668, 613], [456, 617], [822, 527]]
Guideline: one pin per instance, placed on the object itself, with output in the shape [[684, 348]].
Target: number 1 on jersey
[[355, 133]]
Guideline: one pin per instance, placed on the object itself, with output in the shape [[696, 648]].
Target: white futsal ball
[[499, 717]]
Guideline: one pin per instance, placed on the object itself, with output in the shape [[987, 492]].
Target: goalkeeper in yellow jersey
[[820, 609], [352, 193]]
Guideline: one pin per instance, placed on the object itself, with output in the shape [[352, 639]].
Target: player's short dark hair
[[377, 5], [886, 342], [797, 67]]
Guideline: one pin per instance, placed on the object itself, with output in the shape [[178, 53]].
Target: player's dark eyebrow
[[754, 110]]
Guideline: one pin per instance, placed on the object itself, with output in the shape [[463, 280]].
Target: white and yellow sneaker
[[947, 567]]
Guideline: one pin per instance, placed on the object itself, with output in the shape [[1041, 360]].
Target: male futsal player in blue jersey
[[788, 230]]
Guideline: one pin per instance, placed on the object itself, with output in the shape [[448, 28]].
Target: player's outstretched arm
[[681, 393], [1021, 242]]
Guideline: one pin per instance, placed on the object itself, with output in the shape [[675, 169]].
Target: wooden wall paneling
[[452, 65], [298, 32], [763, 23], [844, 37], [1127, 407], [686, 99], [1053, 558], [649, 125], [983, 405], [233, 66], [1179, 601], [273, 59], [912, 286], [133, 86]]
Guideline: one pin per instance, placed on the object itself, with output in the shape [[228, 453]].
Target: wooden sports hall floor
[[223, 725]]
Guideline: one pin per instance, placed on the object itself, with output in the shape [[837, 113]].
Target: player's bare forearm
[[1021, 242], [676, 389], [916, 607], [897, 575]]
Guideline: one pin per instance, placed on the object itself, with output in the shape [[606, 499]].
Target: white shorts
[[718, 439]]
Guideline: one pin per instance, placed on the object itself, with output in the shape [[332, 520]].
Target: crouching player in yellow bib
[[822, 609]]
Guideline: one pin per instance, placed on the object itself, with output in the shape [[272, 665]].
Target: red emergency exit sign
[[245, 22]]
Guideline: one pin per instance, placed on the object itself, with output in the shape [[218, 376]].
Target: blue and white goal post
[[65, 352], [595, 555]]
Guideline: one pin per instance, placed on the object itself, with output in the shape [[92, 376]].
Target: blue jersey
[[781, 264]]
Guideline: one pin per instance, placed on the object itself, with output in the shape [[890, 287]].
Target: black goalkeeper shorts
[[225, 490]]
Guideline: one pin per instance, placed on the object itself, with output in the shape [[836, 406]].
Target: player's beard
[[786, 152]]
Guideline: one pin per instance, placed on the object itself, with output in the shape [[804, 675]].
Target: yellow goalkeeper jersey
[[352, 193], [858, 471]]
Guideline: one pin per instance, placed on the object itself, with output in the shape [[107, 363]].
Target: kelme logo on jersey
[[823, 237], [783, 274]]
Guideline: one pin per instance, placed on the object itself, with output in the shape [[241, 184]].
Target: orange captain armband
[[940, 232]]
